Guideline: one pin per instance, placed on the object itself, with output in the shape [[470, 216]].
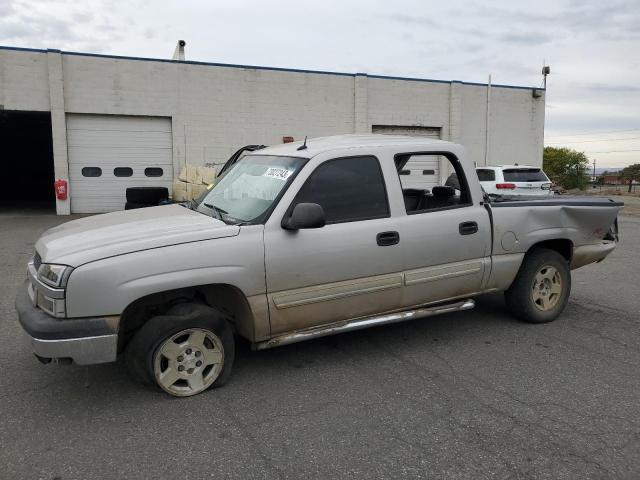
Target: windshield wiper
[[190, 204], [216, 210]]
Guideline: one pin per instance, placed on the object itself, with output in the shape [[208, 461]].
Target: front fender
[[107, 286]]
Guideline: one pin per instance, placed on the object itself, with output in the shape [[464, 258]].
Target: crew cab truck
[[295, 242]]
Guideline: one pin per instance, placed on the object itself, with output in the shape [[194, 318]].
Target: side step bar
[[359, 324]]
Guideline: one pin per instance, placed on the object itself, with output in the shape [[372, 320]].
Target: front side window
[[347, 189], [250, 187]]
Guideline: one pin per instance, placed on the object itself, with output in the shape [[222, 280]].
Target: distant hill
[[599, 170]]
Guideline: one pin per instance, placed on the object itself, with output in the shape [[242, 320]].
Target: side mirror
[[305, 215]]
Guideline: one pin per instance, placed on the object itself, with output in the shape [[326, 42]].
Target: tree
[[566, 167], [631, 173]]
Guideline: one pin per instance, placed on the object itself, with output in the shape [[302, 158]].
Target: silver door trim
[[441, 272], [336, 291]]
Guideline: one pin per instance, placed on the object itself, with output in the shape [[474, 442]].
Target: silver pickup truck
[[294, 242]]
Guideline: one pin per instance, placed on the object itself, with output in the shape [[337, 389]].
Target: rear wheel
[[184, 352], [541, 289]]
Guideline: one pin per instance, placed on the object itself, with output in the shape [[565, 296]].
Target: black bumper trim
[[40, 325]]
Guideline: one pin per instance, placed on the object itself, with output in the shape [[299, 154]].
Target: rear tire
[[541, 289], [185, 351]]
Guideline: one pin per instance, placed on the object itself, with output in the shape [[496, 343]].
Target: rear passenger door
[[446, 242], [344, 269]]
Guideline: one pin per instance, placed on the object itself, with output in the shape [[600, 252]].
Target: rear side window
[[348, 189], [524, 175], [486, 175]]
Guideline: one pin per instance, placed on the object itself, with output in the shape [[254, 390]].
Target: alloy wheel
[[547, 288], [188, 362]]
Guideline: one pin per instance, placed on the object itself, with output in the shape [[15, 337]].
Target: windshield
[[249, 188], [524, 175]]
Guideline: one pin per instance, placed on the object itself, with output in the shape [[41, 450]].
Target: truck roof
[[319, 145]]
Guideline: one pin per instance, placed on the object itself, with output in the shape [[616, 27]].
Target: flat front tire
[[185, 351], [541, 289]]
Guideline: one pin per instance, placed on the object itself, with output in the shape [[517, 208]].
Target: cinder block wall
[[215, 109]]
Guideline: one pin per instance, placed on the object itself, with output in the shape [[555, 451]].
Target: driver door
[[345, 269]]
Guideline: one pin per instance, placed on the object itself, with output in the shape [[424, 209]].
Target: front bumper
[[84, 340]]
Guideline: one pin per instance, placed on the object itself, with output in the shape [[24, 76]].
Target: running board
[[359, 324]]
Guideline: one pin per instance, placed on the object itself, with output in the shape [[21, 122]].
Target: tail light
[[546, 186], [506, 186]]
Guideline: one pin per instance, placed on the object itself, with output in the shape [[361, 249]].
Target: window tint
[[348, 189], [123, 171], [524, 175], [485, 175], [153, 172], [91, 171]]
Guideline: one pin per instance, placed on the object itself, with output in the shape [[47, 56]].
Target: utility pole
[[487, 139]]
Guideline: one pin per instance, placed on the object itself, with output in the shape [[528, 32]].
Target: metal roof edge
[[257, 67]]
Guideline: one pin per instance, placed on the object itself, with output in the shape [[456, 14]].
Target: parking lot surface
[[467, 395]]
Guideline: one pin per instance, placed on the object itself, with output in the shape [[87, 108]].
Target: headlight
[[54, 275]]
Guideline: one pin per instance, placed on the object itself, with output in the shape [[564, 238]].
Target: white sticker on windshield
[[279, 173]]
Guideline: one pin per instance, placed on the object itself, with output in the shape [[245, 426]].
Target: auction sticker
[[279, 173]]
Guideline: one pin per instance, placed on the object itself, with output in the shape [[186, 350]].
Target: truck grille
[[37, 261]]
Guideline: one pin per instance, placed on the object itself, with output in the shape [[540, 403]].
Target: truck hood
[[88, 239]]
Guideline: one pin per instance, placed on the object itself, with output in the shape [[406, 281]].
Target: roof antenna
[[304, 145]]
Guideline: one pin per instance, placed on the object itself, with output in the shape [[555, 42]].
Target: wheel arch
[[563, 246], [229, 298]]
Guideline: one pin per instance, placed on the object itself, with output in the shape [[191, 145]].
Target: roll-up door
[[109, 153]]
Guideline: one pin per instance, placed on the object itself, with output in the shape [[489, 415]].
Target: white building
[[136, 121]]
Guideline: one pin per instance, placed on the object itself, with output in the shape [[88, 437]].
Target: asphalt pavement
[[468, 395]]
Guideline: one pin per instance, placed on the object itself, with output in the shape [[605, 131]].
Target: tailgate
[[532, 188]]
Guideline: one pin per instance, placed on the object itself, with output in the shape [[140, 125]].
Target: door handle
[[468, 228], [385, 239]]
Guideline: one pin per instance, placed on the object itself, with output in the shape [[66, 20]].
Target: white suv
[[514, 180]]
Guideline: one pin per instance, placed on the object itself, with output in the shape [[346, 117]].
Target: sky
[[592, 47]]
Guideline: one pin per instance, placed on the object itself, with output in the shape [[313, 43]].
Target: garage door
[[421, 172], [109, 153]]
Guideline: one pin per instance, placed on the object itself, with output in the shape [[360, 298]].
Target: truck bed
[[569, 201], [588, 223]]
